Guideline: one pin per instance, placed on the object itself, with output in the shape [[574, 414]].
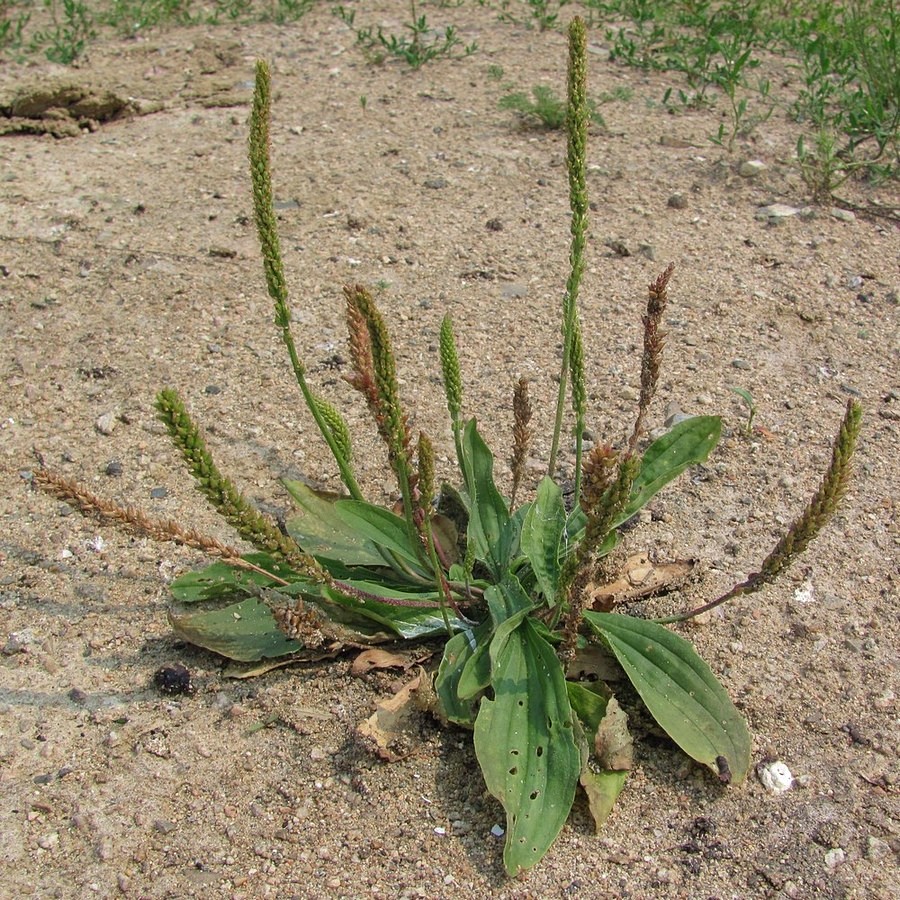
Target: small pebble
[[212, 389], [775, 777], [750, 168], [776, 212], [842, 215], [159, 493], [740, 364], [173, 680], [436, 183], [877, 849], [113, 468], [106, 424], [834, 857], [19, 641], [677, 201]]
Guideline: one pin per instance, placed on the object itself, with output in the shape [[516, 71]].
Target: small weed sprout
[[540, 14], [12, 25], [421, 45], [507, 588], [545, 109], [71, 28], [747, 397]]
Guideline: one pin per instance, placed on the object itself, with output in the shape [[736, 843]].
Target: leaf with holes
[[525, 744]]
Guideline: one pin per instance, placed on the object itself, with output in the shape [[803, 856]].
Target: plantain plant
[[506, 586]]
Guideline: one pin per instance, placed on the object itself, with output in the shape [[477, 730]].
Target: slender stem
[[819, 510], [138, 522], [260, 172], [572, 365]]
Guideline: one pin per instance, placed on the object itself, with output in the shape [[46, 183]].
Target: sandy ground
[[129, 263]]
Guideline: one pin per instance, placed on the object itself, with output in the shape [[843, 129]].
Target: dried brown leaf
[[388, 731], [612, 743], [642, 577]]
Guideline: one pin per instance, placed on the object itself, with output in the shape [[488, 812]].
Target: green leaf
[[680, 691], [408, 622], [379, 525], [220, 580], [589, 705], [687, 443], [684, 445], [458, 704], [475, 677], [602, 789], [744, 394], [244, 631], [541, 537], [319, 530], [525, 745], [488, 514], [507, 599]]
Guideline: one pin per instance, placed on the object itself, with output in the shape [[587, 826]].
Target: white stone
[[777, 211], [775, 777]]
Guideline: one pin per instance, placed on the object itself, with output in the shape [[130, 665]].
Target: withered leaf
[[612, 743], [641, 577], [389, 730]]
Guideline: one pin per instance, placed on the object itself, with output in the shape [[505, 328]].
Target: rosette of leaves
[[503, 583]]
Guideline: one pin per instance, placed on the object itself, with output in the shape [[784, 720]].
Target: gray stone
[[750, 168], [106, 424], [19, 641], [877, 849]]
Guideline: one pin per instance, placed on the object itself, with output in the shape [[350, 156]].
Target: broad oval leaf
[[319, 530], [246, 631], [507, 599], [541, 537], [220, 580], [525, 744], [680, 691], [685, 444], [379, 525], [408, 622]]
